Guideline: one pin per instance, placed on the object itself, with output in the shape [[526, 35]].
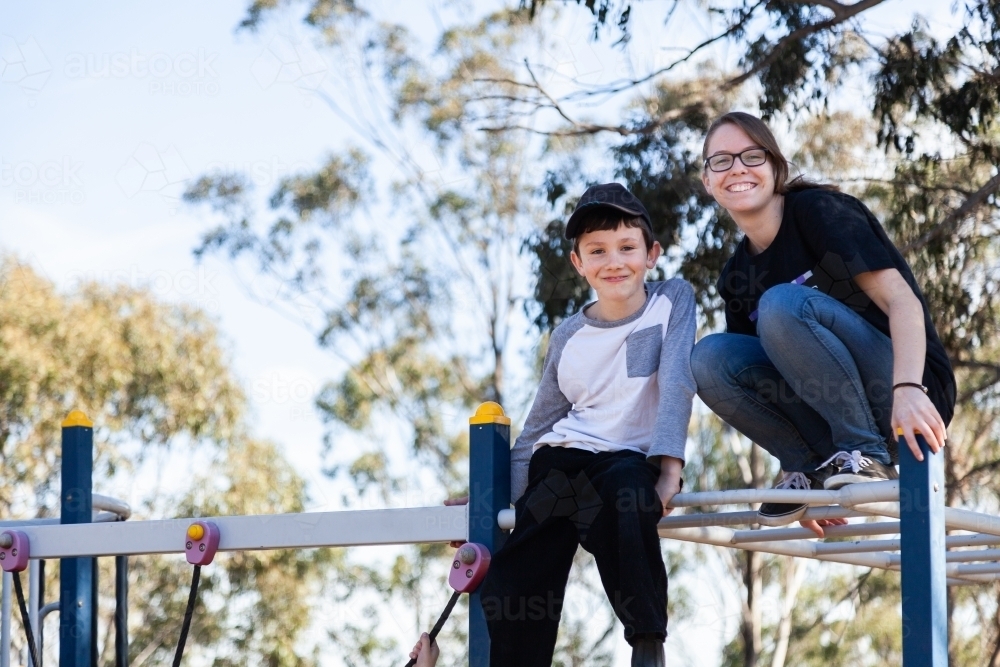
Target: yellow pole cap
[[490, 412], [196, 531], [77, 418]]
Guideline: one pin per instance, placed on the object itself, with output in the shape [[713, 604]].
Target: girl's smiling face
[[740, 189]]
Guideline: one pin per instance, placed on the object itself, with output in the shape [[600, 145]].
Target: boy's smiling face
[[615, 262]]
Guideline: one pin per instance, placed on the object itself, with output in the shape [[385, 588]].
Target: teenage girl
[[829, 350]]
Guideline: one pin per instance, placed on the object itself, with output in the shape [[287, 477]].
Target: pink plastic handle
[[469, 567], [14, 556], [201, 550]]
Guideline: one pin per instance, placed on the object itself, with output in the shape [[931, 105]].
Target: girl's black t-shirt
[[826, 239]]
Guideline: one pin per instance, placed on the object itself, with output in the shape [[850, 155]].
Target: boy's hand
[[464, 500], [669, 482], [425, 652]]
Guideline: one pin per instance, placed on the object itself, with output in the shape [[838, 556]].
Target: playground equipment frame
[[93, 526]]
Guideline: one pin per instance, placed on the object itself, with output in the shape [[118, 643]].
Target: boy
[[602, 449]]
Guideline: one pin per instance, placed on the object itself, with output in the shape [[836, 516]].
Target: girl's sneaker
[[854, 467], [780, 514]]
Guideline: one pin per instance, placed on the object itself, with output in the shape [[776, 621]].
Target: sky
[[110, 109]]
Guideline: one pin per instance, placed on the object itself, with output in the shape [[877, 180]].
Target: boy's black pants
[[606, 502]]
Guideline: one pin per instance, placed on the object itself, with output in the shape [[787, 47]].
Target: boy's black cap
[[606, 195]]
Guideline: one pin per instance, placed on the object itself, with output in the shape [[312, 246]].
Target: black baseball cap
[[606, 195]]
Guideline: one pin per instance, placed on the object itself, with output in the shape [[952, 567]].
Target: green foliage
[[140, 369], [151, 374]]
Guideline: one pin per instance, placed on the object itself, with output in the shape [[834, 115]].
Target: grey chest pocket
[[642, 351]]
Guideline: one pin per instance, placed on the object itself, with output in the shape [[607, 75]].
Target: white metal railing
[[282, 531], [878, 500]]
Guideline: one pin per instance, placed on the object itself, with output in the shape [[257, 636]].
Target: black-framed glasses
[[751, 157]]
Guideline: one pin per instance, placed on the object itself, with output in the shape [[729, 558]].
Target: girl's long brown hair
[[761, 135]]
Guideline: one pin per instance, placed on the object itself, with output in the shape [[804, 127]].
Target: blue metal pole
[[922, 538], [76, 575], [489, 492]]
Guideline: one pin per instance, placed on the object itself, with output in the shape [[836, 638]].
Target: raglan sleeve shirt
[[611, 386]]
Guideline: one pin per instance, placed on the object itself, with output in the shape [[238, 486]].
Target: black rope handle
[[440, 622], [188, 613], [25, 620]]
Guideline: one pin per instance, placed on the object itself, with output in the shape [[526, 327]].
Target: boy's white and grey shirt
[[612, 386]]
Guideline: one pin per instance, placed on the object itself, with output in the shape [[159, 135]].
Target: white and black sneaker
[[780, 514], [854, 468]]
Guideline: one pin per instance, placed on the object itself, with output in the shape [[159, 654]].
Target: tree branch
[[841, 12], [982, 366], [613, 88], [837, 8], [847, 13], [974, 201]]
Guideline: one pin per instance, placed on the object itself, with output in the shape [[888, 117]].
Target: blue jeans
[[818, 380]]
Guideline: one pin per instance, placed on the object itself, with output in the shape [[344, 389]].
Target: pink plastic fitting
[[469, 567], [14, 551], [200, 545]]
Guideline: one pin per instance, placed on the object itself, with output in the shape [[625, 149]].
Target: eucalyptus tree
[[155, 378], [422, 317]]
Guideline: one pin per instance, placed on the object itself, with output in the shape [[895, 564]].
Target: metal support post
[[489, 492], [121, 611], [34, 593], [76, 575], [922, 536], [5, 611], [41, 607]]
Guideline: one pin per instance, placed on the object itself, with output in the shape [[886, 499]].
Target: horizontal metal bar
[[754, 496], [857, 546], [830, 512], [281, 531], [977, 568], [109, 504], [847, 496], [973, 555], [98, 517], [979, 580], [975, 540], [708, 519], [850, 530], [750, 517], [20, 523], [724, 537], [965, 570], [959, 519], [954, 518], [962, 582]]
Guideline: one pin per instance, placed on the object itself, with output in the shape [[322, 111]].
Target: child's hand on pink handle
[[464, 500]]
